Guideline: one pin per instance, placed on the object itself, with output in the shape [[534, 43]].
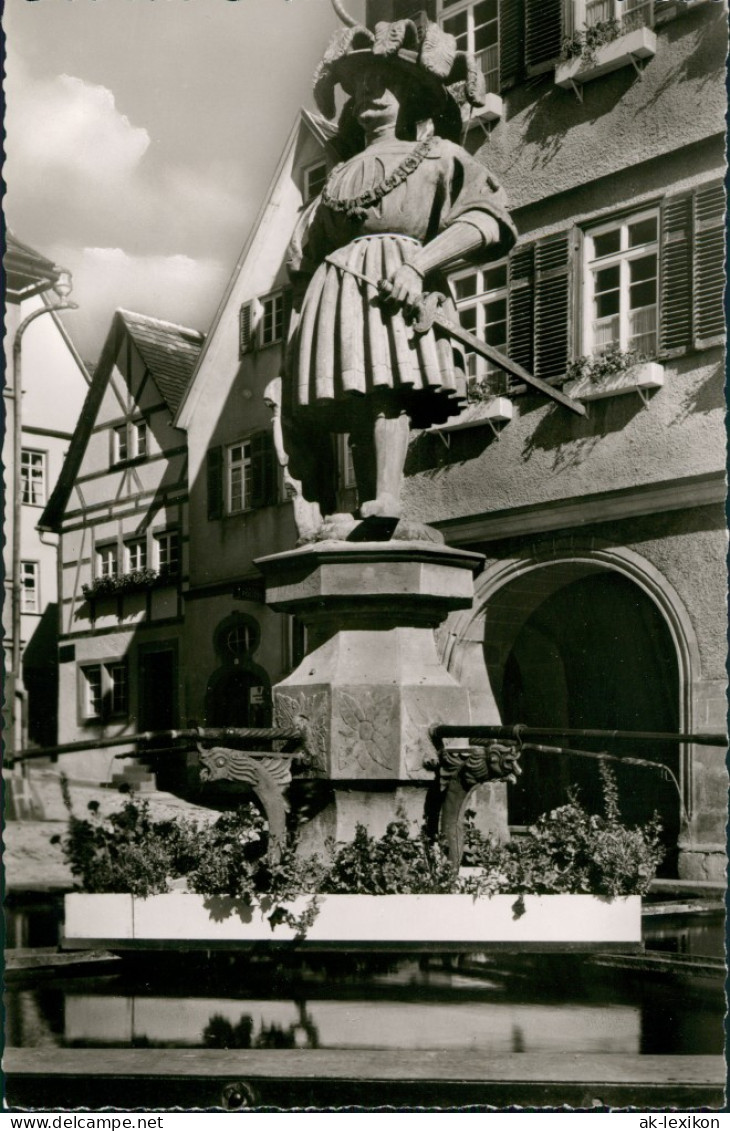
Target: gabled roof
[[170, 353], [27, 272]]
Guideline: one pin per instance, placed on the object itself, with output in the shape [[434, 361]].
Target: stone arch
[[531, 579]]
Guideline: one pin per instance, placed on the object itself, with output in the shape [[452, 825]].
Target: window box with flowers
[[135, 581], [601, 48], [612, 373]]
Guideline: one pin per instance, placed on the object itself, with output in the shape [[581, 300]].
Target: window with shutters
[[650, 281], [475, 26], [103, 691], [481, 299], [238, 464], [251, 474], [621, 285], [272, 319], [263, 322]]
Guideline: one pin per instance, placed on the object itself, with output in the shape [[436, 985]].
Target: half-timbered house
[[121, 508]]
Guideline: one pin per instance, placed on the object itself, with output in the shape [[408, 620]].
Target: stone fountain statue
[[364, 358], [407, 204]]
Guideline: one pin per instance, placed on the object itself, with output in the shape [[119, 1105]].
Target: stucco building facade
[[54, 384]]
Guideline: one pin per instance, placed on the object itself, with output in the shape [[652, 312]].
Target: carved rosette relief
[[367, 735], [306, 712]]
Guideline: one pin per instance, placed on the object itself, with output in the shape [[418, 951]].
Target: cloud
[[70, 127], [78, 170], [85, 189], [175, 287]]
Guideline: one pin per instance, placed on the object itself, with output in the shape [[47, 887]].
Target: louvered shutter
[[709, 274], [263, 470], [543, 34], [553, 316], [214, 474], [511, 42], [521, 294], [676, 275], [246, 328]]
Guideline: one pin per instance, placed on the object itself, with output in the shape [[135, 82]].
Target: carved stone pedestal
[[371, 683]]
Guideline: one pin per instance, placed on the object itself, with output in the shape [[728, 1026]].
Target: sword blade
[[478, 346], [512, 367]]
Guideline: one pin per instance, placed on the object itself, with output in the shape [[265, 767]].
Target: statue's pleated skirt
[[347, 343]]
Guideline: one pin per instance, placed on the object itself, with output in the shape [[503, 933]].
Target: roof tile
[[169, 351]]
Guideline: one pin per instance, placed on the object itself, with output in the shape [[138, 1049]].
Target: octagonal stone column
[[371, 683]]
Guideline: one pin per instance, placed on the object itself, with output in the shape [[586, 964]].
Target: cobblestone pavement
[[32, 863]]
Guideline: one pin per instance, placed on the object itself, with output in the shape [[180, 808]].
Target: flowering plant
[[135, 581], [585, 44], [601, 365]]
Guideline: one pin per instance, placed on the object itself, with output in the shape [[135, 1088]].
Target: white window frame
[[107, 559], [34, 476], [477, 367], [135, 554], [120, 442], [631, 13], [138, 431], [621, 258], [253, 316], [273, 334], [129, 441], [30, 587], [165, 542], [446, 11], [308, 193], [234, 464], [108, 685]]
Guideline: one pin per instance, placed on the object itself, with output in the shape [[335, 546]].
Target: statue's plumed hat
[[445, 77]]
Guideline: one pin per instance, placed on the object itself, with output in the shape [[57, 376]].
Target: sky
[[141, 136]]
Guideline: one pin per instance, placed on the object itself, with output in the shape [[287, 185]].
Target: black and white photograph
[[365, 557]]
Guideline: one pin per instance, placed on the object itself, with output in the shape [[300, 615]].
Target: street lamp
[[62, 288]]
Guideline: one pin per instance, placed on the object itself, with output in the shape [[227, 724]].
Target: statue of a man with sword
[[374, 344]]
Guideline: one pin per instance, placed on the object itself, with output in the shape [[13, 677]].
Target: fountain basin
[[388, 922]]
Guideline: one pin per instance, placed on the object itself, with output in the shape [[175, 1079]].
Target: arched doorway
[[239, 691], [573, 644]]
